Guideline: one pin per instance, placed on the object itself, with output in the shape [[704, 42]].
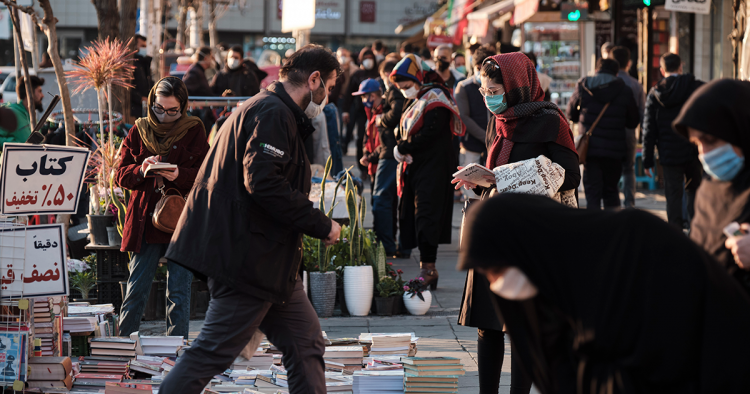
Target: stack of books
[[378, 382], [366, 339], [348, 357], [160, 346], [113, 346], [390, 345], [46, 327], [85, 324], [50, 373], [94, 380], [431, 374], [262, 361], [105, 320], [108, 366], [148, 365], [127, 388]]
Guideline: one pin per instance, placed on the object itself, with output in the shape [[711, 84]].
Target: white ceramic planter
[[415, 305], [358, 288]]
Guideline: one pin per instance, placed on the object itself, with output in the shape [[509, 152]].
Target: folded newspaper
[[534, 176]]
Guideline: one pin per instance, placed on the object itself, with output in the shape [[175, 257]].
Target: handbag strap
[[162, 188], [598, 118]]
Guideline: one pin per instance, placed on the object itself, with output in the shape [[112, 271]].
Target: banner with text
[[32, 261], [41, 179]]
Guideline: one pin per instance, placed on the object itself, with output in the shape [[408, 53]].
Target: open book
[[475, 174], [152, 169]]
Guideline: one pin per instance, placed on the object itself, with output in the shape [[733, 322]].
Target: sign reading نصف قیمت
[[41, 179], [32, 261]]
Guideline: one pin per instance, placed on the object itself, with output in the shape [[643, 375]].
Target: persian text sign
[[694, 6], [41, 179], [32, 261]]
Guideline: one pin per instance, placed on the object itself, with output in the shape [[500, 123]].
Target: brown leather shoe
[[430, 274]]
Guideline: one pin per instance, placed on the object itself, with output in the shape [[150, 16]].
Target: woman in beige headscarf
[[166, 135]]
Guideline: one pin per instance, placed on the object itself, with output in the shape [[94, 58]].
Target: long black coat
[[608, 139], [242, 82], [426, 207], [476, 308], [246, 214], [663, 104]]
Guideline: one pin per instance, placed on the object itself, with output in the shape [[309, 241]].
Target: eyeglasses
[[488, 91], [158, 109]]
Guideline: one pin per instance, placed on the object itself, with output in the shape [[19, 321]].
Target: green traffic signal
[[647, 3], [576, 15]]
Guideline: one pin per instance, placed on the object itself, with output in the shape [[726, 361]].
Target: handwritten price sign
[[32, 261], [41, 179]]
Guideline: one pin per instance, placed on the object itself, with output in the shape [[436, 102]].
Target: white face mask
[[380, 57], [233, 63], [368, 64], [164, 118], [313, 110], [514, 286], [344, 59], [142, 52], [410, 93]]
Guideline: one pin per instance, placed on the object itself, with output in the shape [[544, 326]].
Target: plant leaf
[[421, 297]]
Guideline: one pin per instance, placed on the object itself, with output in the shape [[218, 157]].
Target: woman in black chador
[[637, 308]]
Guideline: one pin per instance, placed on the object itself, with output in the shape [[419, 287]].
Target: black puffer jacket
[[663, 104], [588, 101]]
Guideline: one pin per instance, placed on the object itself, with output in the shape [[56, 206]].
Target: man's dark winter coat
[[242, 82], [663, 104], [588, 100], [196, 82], [245, 217]]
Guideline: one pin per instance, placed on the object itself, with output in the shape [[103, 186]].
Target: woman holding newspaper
[[523, 127]]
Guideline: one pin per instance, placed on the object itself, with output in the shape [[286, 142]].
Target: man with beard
[[242, 230], [22, 128]]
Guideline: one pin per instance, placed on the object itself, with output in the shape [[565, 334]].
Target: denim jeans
[[143, 267], [384, 204], [628, 169]]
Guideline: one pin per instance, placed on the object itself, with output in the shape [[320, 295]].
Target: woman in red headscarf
[[523, 127]]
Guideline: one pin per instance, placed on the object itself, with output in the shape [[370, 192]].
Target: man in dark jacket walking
[[678, 157], [235, 79], [242, 229], [604, 92], [195, 76], [142, 81]]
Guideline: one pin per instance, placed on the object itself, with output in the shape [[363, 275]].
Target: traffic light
[[575, 12]]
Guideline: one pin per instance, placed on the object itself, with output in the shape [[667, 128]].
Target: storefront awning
[[495, 10], [525, 9]]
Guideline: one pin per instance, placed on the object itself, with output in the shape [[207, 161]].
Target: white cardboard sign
[[32, 261], [693, 6], [41, 179]]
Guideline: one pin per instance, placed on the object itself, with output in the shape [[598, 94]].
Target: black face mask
[[443, 64]]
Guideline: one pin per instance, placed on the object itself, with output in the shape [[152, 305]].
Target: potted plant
[[82, 277], [416, 297], [398, 306], [358, 276], [318, 258], [388, 293]]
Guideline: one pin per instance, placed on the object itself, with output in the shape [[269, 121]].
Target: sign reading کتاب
[[693, 6], [32, 261], [41, 179]]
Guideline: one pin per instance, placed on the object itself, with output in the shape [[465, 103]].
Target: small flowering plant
[[415, 287]]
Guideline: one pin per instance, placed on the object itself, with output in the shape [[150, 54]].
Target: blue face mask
[[368, 103], [723, 163], [496, 104], [461, 69]]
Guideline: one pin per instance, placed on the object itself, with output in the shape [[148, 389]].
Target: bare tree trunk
[[128, 20], [199, 15], [24, 65], [181, 23], [49, 27], [108, 18], [213, 34]]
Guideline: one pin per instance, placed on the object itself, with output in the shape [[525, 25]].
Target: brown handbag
[[583, 144], [168, 209]]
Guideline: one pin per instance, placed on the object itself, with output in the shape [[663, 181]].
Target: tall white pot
[[358, 288], [415, 305]]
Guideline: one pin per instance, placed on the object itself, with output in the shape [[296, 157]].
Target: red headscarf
[[528, 118]]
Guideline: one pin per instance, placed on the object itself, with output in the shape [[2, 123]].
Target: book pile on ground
[[79, 324], [148, 365], [378, 382], [95, 380], [431, 374], [105, 320], [349, 356], [50, 372], [113, 346], [338, 382], [384, 363], [280, 376], [127, 388], [390, 345], [160, 346], [260, 360], [366, 339], [103, 365]]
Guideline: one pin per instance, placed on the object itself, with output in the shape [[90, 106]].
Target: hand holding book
[[472, 176]]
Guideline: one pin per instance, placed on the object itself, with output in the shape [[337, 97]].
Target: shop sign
[[367, 11], [692, 6], [41, 179], [436, 41], [525, 9], [327, 10]]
